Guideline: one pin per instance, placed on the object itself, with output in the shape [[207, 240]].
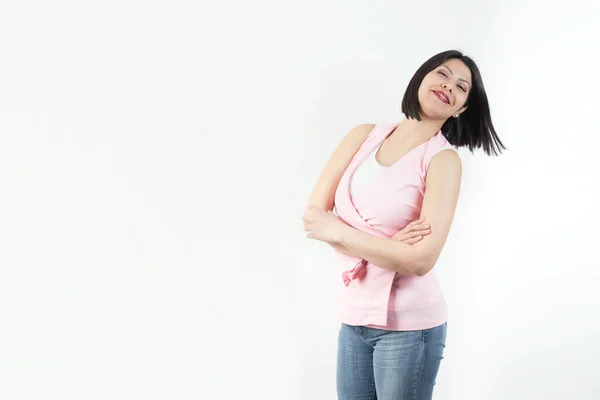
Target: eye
[[462, 88], [443, 74]]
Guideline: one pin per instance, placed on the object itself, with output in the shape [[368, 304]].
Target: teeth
[[444, 97]]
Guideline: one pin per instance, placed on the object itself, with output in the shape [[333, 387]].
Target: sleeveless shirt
[[382, 203]]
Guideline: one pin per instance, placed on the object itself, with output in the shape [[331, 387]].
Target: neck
[[424, 129]]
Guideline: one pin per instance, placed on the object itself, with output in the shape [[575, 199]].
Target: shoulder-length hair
[[473, 128]]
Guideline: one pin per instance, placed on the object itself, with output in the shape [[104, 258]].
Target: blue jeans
[[388, 365]]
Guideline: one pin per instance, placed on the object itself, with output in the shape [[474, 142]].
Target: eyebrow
[[460, 79]]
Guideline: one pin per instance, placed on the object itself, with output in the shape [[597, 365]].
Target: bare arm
[[323, 193], [439, 205]]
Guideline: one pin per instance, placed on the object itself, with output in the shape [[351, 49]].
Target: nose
[[447, 87]]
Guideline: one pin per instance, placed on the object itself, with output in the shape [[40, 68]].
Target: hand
[[322, 225], [413, 232]]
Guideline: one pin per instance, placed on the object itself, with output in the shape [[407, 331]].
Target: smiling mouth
[[442, 96]]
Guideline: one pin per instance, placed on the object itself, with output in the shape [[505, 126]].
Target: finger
[[412, 234], [410, 229], [422, 232], [401, 236], [414, 225], [419, 227], [307, 218], [413, 240]]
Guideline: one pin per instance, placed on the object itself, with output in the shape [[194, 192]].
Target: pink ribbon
[[357, 272]]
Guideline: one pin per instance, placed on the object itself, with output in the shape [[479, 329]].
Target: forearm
[[337, 246], [386, 253], [341, 249]]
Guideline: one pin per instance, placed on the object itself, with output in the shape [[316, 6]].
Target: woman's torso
[[382, 200]]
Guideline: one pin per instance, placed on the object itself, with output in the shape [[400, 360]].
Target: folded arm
[[439, 205], [323, 193]]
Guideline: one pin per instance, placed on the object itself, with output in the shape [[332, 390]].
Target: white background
[[155, 158]]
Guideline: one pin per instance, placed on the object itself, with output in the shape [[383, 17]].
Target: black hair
[[473, 128]]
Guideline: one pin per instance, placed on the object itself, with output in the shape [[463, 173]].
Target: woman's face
[[444, 91]]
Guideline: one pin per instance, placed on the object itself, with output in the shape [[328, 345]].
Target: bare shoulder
[[359, 133], [323, 193], [362, 130], [446, 159], [352, 142], [445, 169]]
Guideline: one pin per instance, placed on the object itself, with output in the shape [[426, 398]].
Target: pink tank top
[[371, 295]]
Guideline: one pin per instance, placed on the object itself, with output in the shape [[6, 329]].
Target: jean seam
[[419, 366]]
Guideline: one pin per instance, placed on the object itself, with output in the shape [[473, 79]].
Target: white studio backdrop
[[155, 158]]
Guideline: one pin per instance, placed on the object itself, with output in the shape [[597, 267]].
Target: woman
[[395, 190]]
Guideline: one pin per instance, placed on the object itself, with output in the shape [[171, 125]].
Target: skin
[[415, 249]]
